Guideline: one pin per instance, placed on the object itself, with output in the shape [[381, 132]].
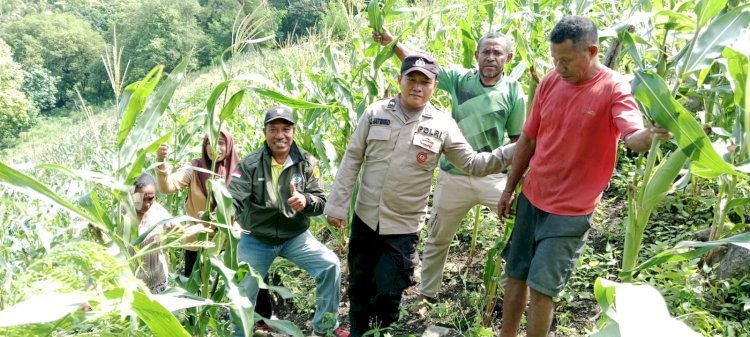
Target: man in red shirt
[[569, 145]]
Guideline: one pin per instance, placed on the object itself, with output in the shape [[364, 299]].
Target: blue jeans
[[307, 253]]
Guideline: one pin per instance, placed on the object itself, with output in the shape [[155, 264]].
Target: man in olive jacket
[[276, 189]]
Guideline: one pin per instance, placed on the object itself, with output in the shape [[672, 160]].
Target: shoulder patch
[[391, 104], [316, 172]]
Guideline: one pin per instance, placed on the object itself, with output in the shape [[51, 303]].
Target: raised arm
[[385, 38]]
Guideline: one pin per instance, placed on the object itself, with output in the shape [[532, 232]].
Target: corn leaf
[[148, 122], [375, 16], [604, 292], [386, 53], [178, 301], [140, 159], [628, 43], [747, 114], [707, 9], [136, 100], [86, 175], [678, 253], [661, 182], [712, 41], [737, 67], [672, 20], [241, 307], [223, 200], [55, 306], [90, 202], [158, 319], [22, 183], [282, 98], [652, 92]]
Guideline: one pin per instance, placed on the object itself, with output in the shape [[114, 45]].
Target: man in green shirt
[[486, 105]]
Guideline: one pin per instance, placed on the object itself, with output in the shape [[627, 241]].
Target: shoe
[[338, 332], [421, 304]]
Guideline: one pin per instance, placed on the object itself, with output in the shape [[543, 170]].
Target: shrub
[[39, 85], [16, 111]]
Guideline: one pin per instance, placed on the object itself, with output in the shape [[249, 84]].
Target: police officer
[[397, 144]]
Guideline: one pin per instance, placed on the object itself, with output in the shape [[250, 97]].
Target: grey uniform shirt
[[397, 156]]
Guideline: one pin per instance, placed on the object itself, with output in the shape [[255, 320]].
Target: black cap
[[279, 112], [422, 63]]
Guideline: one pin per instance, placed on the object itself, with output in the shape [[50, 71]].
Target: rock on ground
[[735, 263]]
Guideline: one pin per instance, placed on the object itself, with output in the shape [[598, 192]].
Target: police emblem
[[419, 63], [297, 181], [421, 157]]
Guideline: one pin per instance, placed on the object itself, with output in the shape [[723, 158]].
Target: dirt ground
[[462, 291]]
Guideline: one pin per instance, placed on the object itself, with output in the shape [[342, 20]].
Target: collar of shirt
[[408, 116], [276, 169]]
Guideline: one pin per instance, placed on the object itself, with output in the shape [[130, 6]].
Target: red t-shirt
[[576, 127]]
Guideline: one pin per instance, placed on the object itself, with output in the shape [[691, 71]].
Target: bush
[[62, 43], [17, 113], [39, 85], [298, 17]]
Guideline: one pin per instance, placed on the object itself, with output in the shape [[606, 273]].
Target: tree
[[39, 85], [101, 14], [16, 111], [160, 32], [297, 17], [62, 43]]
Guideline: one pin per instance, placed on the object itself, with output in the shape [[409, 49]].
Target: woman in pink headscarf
[[196, 180]]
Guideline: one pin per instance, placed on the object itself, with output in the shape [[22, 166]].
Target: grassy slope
[[51, 132]]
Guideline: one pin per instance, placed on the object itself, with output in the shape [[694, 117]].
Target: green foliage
[[330, 82], [297, 18], [40, 86], [64, 44], [336, 21], [218, 19], [160, 32], [17, 112]]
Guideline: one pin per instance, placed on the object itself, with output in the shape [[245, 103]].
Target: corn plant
[[120, 230], [649, 87]]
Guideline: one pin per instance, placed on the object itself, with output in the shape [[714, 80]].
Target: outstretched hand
[[505, 205], [659, 132], [297, 200], [162, 152], [383, 38]]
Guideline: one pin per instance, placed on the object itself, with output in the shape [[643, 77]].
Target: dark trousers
[[263, 307], [381, 267]]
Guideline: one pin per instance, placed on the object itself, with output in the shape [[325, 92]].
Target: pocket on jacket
[[377, 138]]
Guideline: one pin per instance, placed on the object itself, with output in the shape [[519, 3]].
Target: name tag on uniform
[[381, 121], [427, 142]]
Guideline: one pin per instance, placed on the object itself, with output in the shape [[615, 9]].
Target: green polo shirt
[[483, 113]]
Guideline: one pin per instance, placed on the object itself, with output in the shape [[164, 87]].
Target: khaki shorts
[[543, 249]]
